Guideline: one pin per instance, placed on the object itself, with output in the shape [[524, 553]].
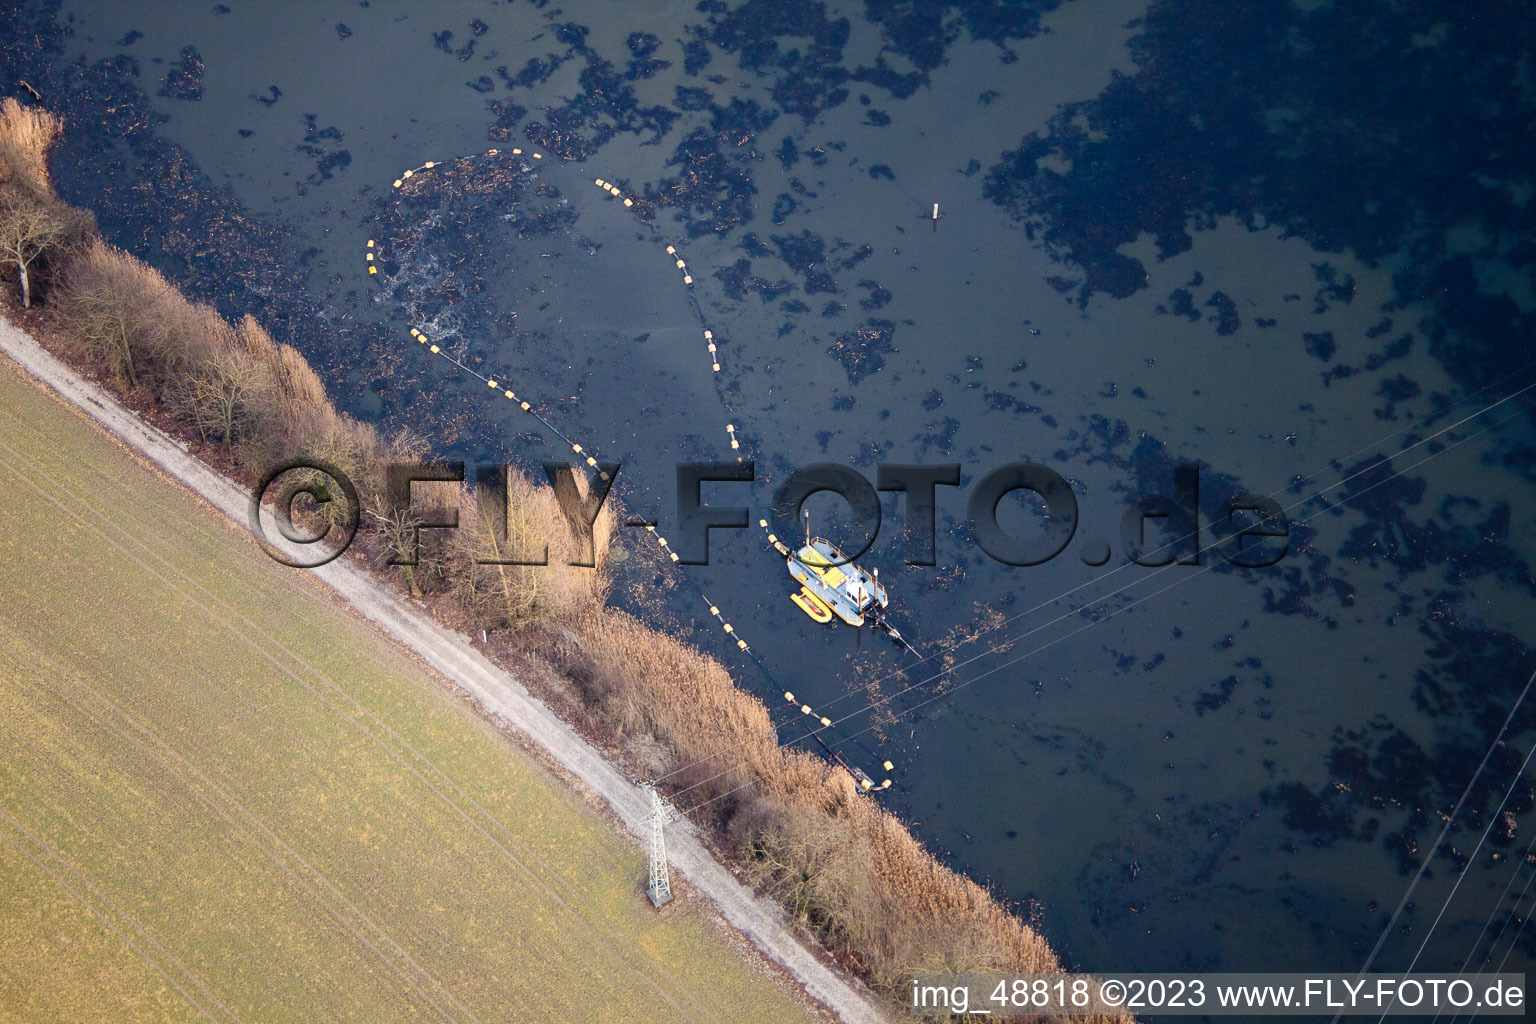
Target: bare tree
[[125, 315], [34, 228], [813, 864], [228, 396], [397, 528]]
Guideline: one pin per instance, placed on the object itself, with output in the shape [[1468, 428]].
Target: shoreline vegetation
[[846, 871]]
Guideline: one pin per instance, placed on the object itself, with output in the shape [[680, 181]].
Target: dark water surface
[[1270, 240]]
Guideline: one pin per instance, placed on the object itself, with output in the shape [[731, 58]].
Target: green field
[[223, 798]]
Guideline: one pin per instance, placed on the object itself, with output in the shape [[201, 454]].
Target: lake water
[[1193, 767]]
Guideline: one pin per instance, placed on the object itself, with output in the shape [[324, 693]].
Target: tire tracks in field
[[110, 924], [620, 953], [319, 875], [223, 805]]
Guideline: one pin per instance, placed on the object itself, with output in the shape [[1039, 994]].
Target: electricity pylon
[[660, 889]]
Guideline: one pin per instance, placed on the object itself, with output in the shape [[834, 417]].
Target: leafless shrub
[[816, 869], [124, 317], [397, 528], [403, 446], [227, 396], [338, 441]]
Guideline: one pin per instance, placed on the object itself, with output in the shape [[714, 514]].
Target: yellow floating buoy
[[397, 183], [490, 152], [825, 720], [629, 202], [717, 367], [674, 557], [789, 696], [742, 644], [370, 257], [517, 152], [435, 348], [526, 407], [600, 183], [373, 270], [414, 332], [687, 279], [671, 251], [591, 461], [889, 766], [407, 174], [509, 394], [428, 165], [681, 264], [576, 448], [538, 156], [370, 243], [711, 347], [491, 383], [729, 628], [708, 334]]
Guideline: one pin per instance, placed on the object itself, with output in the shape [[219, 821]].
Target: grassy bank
[[221, 796], [848, 872]]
